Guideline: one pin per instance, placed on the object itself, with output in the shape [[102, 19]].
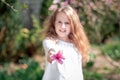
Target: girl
[[66, 46]]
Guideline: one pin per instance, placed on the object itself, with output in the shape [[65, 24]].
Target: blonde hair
[[77, 35]]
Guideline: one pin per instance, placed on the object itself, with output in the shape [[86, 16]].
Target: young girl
[[66, 46]]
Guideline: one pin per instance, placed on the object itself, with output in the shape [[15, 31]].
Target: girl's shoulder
[[56, 41], [48, 40]]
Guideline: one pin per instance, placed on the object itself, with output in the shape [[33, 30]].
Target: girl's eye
[[59, 22], [67, 23]]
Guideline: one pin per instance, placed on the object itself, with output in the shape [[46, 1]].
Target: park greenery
[[18, 44]]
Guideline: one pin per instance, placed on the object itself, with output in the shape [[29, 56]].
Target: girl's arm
[[49, 47]]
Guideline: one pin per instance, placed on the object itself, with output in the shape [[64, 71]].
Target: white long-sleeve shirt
[[71, 69]]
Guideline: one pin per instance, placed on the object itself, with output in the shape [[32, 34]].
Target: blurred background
[[21, 33]]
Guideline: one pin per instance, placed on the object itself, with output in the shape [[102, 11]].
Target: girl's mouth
[[63, 31]]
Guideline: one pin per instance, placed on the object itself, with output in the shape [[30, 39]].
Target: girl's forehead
[[62, 15]]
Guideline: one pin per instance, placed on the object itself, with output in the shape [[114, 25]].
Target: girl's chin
[[62, 37]]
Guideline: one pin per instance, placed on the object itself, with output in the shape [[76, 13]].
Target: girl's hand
[[50, 52]]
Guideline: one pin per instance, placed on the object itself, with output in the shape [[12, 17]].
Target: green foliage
[[90, 75], [16, 41], [10, 25], [4, 9], [112, 50], [91, 61], [99, 19], [89, 64], [32, 72], [44, 12], [29, 42]]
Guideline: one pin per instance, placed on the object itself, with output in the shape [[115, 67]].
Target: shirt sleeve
[[48, 44]]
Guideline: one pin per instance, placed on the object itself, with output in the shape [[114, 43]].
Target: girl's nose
[[63, 25]]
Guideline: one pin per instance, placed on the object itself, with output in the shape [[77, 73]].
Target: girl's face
[[62, 26]]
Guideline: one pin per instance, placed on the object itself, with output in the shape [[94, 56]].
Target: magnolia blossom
[[53, 7], [108, 2], [72, 1], [58, 57]]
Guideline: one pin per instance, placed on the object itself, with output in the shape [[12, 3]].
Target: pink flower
[[58, 57], [53, 7], [109, 2], [72, 1]]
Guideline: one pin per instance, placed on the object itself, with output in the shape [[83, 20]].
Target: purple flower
[[58, 57]]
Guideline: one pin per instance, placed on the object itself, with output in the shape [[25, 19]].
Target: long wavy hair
[[77, 35]]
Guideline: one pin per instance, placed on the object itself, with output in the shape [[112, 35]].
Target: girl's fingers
[[50, 52]]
